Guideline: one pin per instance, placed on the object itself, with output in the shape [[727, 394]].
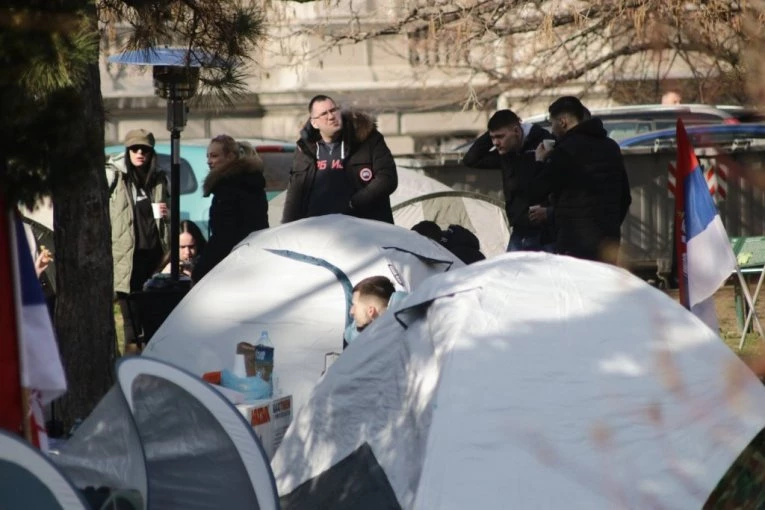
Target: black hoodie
[[585, 174], [518, 169]]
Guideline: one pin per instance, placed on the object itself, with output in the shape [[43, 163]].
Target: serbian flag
[[31, 374], [704, 255]]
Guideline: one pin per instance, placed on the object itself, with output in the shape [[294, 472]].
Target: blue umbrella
[[176, 57]]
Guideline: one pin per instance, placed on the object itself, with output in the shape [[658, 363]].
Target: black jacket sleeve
[[549, 174], [293, 204], [480, 154], [626, 197], [385, 180], [227, 233]]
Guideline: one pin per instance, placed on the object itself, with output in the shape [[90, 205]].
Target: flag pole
[[751, 300]]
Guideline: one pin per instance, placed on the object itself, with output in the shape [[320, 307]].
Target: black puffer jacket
[[591, 194], [239, 207], [518, 169], [369, 167]]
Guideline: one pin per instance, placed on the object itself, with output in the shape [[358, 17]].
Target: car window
[[619, 130], [188, 180]]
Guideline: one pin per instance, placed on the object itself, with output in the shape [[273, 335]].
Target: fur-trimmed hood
[[244, 167], [357, 126]]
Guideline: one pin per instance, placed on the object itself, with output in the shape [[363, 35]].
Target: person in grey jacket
[[138, 210]]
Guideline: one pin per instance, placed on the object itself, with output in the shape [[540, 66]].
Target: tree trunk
[[84, 317]]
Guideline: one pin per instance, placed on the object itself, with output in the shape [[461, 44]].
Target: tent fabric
[[194, 448], [293, 281], [534, 381], [481, 214], [28, 479]]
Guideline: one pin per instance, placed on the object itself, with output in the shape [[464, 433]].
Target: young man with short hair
[[508, 145], [369, 300], [586, 176]]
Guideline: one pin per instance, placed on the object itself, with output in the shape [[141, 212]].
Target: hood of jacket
[[591, 127], [246, 169], [357, 126]]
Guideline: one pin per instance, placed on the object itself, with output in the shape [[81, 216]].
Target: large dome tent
[[528, 380]]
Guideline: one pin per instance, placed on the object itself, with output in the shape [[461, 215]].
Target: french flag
[[705, 256], [31, 374]]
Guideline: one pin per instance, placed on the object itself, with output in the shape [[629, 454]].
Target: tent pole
[[750, 302]]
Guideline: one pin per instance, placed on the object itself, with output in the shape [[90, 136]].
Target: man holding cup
[[508, 145], [139, 214], [586, 177]]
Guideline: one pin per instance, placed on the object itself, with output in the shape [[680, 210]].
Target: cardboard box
[[270, 420]]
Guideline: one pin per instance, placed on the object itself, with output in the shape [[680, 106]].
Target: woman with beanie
[[138, 198]]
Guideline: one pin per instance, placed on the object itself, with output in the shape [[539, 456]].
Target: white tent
[[481, 214], [170, 438], [419, 197], [28, 479], [524, 381], [294, 281]]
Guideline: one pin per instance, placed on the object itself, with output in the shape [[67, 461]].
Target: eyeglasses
[[140, 148], [323, 115]]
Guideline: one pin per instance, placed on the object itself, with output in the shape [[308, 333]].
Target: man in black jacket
[[585, 174], [510, 146], [342, 165]]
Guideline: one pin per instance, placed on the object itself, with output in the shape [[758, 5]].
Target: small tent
[[419, 197], [525, 381], [481, 214], [168, 437], [295, 282], [28, 479]]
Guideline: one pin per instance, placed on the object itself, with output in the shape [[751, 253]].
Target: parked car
[[626, 121], [277, 159], [727, 135]]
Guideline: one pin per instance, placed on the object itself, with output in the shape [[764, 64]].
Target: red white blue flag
[[705, 256], [32, 374]]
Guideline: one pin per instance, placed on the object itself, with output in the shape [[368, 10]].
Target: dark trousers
[[131, 320]]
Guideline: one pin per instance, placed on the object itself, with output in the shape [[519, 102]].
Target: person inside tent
[[370, 299]]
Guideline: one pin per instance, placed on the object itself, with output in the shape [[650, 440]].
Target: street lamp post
[[176, 77]]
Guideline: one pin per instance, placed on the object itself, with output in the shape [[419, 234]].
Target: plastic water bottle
[[264, 356]]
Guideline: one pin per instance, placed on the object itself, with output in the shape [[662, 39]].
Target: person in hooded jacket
[[342, 165], [508, 145], [586, 176], [239, 205], [139, 215]]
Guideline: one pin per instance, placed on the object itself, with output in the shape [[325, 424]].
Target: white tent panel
[[530, 381], [294, 281], [480, 214]]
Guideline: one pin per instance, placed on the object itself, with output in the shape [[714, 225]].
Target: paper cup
[[157, 210], [548, 144]]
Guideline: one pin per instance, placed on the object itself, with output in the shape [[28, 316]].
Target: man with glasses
[[342, 165], [138, 198], [585, 174]]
